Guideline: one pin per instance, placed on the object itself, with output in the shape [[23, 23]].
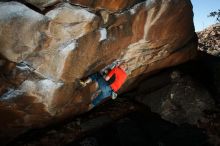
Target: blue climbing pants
[[106, 90]]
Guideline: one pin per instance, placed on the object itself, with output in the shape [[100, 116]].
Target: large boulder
[[43, 55]]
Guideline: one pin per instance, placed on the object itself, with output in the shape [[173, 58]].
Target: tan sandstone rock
[[21, 30], [43, 56], [109, 5]]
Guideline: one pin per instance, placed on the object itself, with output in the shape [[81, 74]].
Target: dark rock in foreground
[[184, 98]]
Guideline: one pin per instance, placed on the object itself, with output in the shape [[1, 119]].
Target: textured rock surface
[[16, 43], [97, 5], [109, 5], [43, 3], [209, 40], [187, 93], [181, 100], [120, 123], [42, 55], [95, 120]]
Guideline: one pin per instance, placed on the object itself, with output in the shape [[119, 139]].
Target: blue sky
[[201, 9]]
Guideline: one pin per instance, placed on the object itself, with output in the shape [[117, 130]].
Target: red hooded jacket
[[120, 77]]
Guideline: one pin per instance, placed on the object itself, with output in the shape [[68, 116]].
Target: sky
[[201, 9]]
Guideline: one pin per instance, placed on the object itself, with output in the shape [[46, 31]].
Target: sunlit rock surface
[[20, 30], [209, 40], [43, 55]]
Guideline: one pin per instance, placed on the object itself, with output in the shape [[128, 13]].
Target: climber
[[107, 85]]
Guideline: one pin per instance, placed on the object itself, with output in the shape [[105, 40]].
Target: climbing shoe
[[91, 106], [82, 83], [114, 95]]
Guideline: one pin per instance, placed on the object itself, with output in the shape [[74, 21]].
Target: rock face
[[43, 55], [111, 6], [209, 40]]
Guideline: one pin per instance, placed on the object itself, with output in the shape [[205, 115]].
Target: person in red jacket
[[108, 85]]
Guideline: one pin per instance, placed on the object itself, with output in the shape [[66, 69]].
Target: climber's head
[[123, 66]]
